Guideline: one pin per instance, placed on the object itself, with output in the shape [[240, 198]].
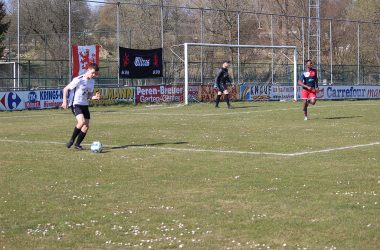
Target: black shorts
[[81, 109], [220, 87]]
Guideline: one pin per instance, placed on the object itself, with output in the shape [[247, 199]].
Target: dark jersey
[[222, 79], [309, 78]]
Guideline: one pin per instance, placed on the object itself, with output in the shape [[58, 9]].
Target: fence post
[[358, 54], [272, 43], [331, 56], [162, 40], [29, 74], [70, 63], [238, 41], [202, 17]]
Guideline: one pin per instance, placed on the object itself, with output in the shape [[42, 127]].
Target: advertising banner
[[251, 92], [140, 63], [110, 96], [158, 94], [349, 92], [193, 93], [42, 99], [207, 93], [283, 93]]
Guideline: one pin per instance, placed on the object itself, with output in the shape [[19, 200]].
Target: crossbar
[[186, 61]]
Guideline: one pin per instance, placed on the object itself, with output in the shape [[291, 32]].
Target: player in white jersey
[[82, 88]]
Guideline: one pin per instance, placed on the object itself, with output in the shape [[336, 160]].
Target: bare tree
[[47, 23]]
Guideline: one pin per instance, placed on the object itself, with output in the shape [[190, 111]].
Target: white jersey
[[80, 87]]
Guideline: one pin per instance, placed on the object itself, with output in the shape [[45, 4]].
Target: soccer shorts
[[308, 94], [81, 109], [220, 87]]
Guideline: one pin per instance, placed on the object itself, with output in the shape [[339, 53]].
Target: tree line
[[44, 26]]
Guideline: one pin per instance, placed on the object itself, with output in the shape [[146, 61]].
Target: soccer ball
[[96, 147]]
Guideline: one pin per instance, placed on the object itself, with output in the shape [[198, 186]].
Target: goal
[[267, 50], [8, 75]]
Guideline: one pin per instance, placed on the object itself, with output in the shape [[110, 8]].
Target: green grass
[[210, 194]]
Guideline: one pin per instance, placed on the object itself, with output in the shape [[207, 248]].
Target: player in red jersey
[[309, 82]]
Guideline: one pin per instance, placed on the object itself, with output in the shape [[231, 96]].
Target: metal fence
[[349, 49]]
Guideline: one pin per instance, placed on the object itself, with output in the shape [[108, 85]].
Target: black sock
[[227, 97], [75, 134], [217, 100], [305, 109], [80, 138]]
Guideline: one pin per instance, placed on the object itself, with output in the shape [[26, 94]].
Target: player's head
[[308, 63], [91, 70], [226, 63]]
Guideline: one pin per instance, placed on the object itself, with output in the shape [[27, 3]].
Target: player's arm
[[90, 94], [316, 81], [96, 96], [218, 80], [302, 84], [64, 100], [228, 79], [72, 85], [219, 77]]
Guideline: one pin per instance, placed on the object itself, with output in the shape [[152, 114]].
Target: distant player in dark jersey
[[82, 88], [221, 81], [309, 82]]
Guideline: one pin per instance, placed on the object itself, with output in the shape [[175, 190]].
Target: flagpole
[[18, 44], [70, 59], [118, 43]]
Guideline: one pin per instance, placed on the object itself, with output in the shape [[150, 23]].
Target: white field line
[[158, 107], [327, 150], [235, 112]]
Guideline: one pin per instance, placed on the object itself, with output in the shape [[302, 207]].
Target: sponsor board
[[119, 94], [20, 100], [251, 92], [140, 63], [44, 99], [279, 92], [207, 93], [159, 94]]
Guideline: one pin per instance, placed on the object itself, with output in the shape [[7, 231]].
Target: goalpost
[[11, 70], [186, 61]]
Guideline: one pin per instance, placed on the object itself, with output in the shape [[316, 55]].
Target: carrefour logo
[[10, 100]]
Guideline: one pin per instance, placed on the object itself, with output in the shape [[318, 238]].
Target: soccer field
[[194, 177]]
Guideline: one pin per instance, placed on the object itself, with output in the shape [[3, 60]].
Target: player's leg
[[85, 119], [80, 122], [305, 102], [218, 96], [227, 97], [313, 97]]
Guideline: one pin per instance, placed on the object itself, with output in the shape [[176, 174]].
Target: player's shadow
[[148, 144], [342, 117]]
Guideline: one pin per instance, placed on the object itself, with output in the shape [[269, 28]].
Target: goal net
[[261, 66], [8, 76]]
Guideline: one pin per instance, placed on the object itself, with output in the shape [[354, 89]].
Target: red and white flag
[[83, 56]]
